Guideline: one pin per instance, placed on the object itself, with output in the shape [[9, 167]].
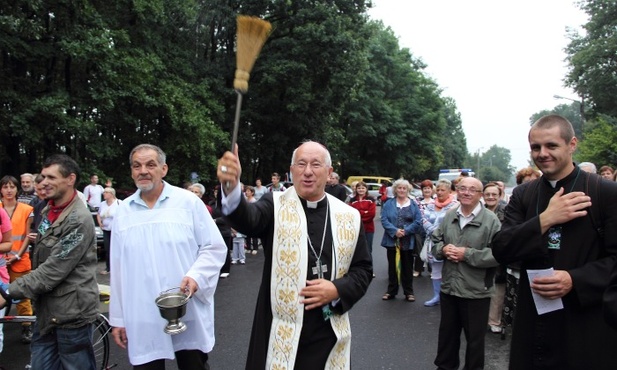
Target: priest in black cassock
[[317, 264], [565, 220]]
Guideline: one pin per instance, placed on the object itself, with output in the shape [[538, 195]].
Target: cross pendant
[[319, 269]]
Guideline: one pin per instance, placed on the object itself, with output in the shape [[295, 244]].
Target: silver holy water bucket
[[172, 306]]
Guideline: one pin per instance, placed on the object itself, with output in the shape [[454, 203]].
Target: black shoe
[[26, 334]]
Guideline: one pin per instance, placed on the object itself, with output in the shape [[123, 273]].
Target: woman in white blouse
[[104, 218]]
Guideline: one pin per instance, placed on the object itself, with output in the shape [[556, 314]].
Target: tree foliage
[[570, 111], [452, 139], [493, 165], [592, 58], [395, 123], [94, 78], [600, 142]]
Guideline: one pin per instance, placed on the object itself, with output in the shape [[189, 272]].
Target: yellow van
[[367, 179]]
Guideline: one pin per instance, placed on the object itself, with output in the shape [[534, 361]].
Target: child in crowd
[[237, 254]]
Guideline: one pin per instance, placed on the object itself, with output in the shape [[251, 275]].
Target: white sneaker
[[224, 275], [495, 329], [253, 252], [234, 262]]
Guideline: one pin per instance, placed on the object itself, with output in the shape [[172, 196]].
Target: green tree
[[305, 76], [93, 79], [600, 143], [591, 58], [494, 165], [395, 121], [453, 143], [570, 111]]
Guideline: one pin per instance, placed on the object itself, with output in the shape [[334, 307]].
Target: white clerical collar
[[310, 204]]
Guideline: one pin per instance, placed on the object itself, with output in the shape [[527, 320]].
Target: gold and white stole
[[288, 277]]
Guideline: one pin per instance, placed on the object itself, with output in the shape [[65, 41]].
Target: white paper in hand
[[544, 305]]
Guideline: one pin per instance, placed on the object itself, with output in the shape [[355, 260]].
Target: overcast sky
[[501, 61]]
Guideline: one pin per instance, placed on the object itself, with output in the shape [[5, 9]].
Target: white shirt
[[464, 220], [151, 251], [93, 194], [107, 213]]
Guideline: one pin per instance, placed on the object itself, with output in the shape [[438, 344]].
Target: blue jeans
[[63, 349]]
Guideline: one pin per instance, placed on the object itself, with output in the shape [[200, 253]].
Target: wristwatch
[[17, 257]]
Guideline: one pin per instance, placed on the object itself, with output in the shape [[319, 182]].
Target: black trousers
[[469, 315], [406, 272], [106, 247], [186, 359], [252, 243], [229, 243]]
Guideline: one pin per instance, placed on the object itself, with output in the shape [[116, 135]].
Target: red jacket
[[366, 207]]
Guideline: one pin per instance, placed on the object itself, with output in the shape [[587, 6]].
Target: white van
[[452, 174]]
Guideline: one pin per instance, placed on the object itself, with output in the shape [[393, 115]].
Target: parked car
[[99, 236], [373, 190], [97, 230], [416, 191], [371, 179]]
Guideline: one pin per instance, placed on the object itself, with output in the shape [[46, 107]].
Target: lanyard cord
[[323, 237]]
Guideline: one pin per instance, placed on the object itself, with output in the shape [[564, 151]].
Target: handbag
[[425, 248]]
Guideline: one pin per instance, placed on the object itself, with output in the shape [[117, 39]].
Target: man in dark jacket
[[564, 221], [334, 188], [62, 283]]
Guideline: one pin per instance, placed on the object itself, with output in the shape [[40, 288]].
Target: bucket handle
[[176, 288]]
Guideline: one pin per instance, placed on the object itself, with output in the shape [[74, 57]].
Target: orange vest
[[19, 220]]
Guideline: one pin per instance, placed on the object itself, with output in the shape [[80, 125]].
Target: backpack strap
[[595, 212]]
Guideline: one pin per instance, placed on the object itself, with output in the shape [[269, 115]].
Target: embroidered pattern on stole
[[289, 264], [345, 238]]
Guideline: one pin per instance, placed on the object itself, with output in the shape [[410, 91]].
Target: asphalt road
[[386, 334]]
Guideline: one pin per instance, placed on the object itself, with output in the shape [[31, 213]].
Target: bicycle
[[100, 339]]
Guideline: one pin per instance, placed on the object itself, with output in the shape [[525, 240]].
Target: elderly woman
[[433, 215], [492, 193], [401, 220], [199, 190], [104, 218]]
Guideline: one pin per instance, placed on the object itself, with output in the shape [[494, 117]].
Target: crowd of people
[[540, 262]]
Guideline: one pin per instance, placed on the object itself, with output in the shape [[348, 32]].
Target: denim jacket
[[393, 218]]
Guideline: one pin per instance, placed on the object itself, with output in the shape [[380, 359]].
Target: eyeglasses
[[463, 189], [314, 165]]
